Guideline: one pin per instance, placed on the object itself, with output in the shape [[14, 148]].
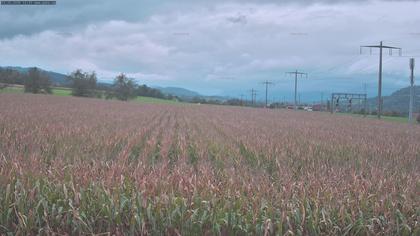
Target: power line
[[266, 91], [370, 67], [296, 73], [253, 96], [381, 47], [319, 70]]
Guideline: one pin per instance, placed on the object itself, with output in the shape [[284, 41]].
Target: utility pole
[[381, 47], [410, 112], [266, 91], [253, 96], [299, 100], [297, 73]]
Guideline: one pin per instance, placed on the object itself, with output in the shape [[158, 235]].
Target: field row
[[82, 166]]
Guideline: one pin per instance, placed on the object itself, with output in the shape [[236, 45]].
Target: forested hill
[[398, 101], [11, 75]]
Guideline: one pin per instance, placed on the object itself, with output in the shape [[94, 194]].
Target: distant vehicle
[[307, 108]]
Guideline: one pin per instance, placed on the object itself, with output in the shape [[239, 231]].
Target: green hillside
[[398, 101]]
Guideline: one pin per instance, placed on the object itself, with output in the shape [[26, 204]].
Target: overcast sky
[[218, 47]]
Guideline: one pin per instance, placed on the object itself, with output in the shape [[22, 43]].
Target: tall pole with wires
[[253, 96], [299, 100], [381, 47], [410, 112], [297, 73], [266, 91]]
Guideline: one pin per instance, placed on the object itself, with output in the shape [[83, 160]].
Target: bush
[[83, 84], [37, 82], [124, 88], [418, 118], [145, 91]]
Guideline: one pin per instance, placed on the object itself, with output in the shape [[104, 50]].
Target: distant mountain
[[398, 101], [56, 78], [180, 92], [189, 95]]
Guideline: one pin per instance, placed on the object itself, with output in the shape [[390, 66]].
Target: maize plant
[[76, 166]]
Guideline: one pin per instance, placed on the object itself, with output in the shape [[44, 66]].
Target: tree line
[[82, 84], [34, 81], [10, 76]]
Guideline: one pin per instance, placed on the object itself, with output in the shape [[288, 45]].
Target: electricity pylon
[[380, 46], [253, 96], [266, 91], [301, 74]]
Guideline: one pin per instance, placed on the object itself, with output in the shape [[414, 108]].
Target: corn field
[[74, 166]]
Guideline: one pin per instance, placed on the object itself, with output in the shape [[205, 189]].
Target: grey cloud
[[70, 14], [209, 46], [239, 19]]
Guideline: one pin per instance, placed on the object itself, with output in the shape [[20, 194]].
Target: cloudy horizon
[[218, 48]]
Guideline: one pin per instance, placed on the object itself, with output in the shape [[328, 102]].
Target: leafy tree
[[418, 118], [10, 76], [145, 91], [83, 84], [124, 88], [37, 82]]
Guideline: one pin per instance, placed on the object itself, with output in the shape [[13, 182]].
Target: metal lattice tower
[[410, 113], [336, 97]]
